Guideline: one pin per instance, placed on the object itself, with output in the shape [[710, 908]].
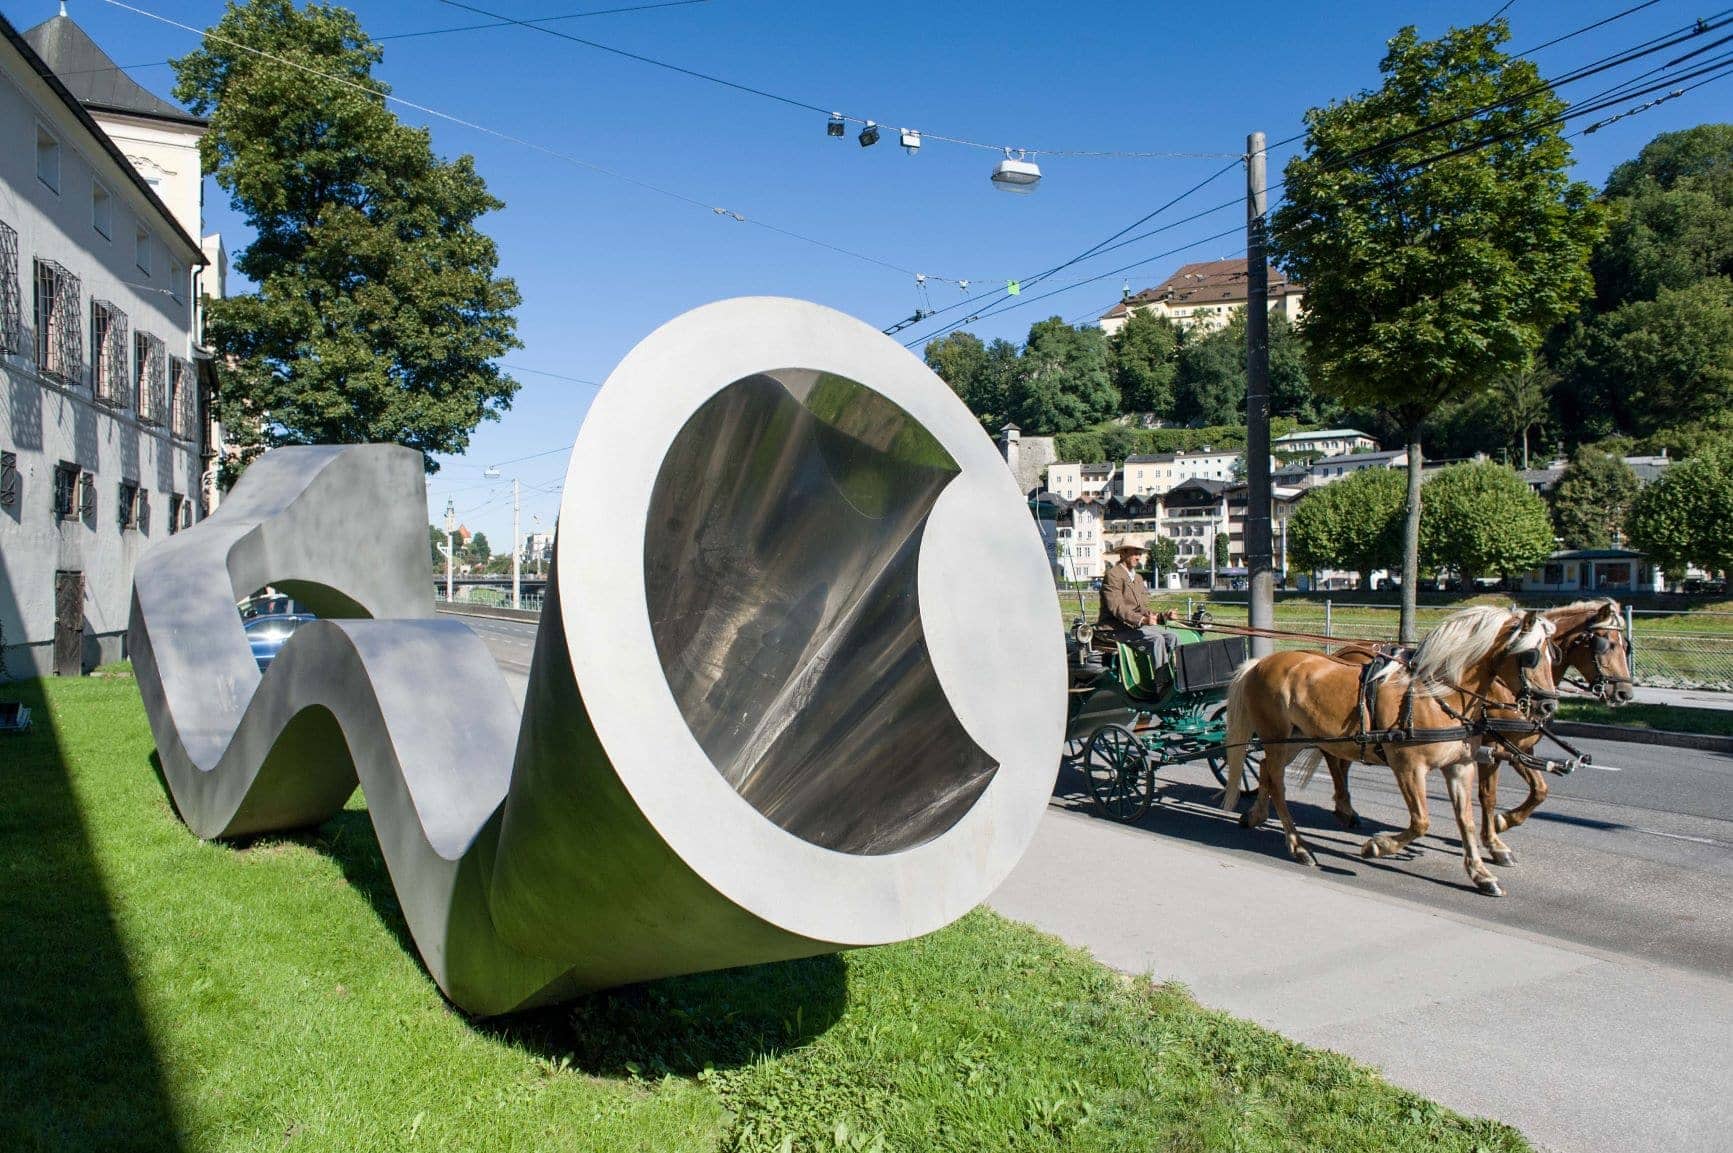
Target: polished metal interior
[[780, 565]]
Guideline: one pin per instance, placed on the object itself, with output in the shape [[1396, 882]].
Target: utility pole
[[450, 544], [516, 550], [1259, 575]]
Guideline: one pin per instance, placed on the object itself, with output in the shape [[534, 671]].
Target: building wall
[[1159, 477], [167, 156], [1206, 316], [42, 422], [1070, 481]]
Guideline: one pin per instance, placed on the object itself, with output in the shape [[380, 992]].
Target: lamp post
[[450, 527], [516, 573]]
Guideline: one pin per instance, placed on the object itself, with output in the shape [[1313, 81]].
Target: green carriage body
[[1129, 716]]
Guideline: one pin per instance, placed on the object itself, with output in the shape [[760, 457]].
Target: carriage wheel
[[1117, 766], [1218, 762]]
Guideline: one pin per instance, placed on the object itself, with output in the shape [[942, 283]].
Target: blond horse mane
[[1466, 637]]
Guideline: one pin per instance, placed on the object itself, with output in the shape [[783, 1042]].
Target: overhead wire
[[538, 19], [510, 138], [1595, 67]]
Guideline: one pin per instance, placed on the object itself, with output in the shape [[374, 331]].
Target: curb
[[1702, 742], [504, 614]]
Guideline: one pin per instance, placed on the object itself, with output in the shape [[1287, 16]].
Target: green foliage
[[976, 373], [1672, 216], [1211, 383], [1291, 391], [377, 314], [1522, 398], [1591, 498], [1221, 551], [1163, 553], [166, 992], [1480, 519], [1354, 523], [1656, 364], [436, 543], [478, 550], [1062, 382], [1683, 518], [1116, 441], [1143, 354], [1428, 276], [1426, 279]]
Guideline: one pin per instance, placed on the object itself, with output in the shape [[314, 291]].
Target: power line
[[809, 106], [539, 19], [555, 153]]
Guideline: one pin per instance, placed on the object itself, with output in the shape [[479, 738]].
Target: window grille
[[150, 359], [87, 497], [127, 506], [59, 335], [175, 501], [8, 479], [65, 491], [183, 398], [107, 352], [141, 515], [11, 304]]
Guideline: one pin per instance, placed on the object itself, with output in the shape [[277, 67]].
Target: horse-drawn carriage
[[1131, 716]]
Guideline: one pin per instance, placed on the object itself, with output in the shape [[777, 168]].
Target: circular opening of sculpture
[[780, 562]]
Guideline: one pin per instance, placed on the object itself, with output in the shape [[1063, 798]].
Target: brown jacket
[[1124, 599]]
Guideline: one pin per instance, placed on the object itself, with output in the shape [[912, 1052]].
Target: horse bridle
[[1600, 644], [1528, 694]]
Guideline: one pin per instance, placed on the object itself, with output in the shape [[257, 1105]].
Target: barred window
[[108, 353], [141, 513], [59, 335], [8, 479], [150, 365], [127, 505], [65, 491], [175, 501], [183, 398], [87, 497], [11, 304]]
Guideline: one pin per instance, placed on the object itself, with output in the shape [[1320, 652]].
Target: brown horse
[[1589, 640], [1426, 713]]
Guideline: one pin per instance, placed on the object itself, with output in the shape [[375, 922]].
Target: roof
[[1205, 282], [1361, 457], [1097, 469], [1596, 554], [93, 78], [1212, 487], [1324, 434], [40, 66]]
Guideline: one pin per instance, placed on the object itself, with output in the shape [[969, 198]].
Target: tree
[[1437, 235], [1221, 547], [1591, 499], [436, 542], [1482, 518], [1662, 363], [960, 360], [1672, 216], [1523, 400], [1142, 355], [377, 315], [1354, 523], [1163, 556], [1061, 383], [1682, 518], [1291, 391], [478, 551], [1210, 385]]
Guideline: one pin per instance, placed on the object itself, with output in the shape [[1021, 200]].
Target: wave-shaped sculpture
[[798, 685]]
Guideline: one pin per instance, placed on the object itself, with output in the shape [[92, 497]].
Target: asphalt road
[[1633, 856]]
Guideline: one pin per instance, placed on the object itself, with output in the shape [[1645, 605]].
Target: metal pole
[[1260, 577], [1329, 620], [516, 550], [1631, 640], [450, 544]]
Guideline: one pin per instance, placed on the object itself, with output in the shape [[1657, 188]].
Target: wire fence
[[490, 598], [1670, 648]]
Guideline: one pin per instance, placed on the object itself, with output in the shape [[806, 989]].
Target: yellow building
[[1204, 296]]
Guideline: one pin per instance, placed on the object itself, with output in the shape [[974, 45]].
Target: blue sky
[[601, 261]]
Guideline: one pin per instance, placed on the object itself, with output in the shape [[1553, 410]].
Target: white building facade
[[1162, 472], [1334, 468], [1078, 481], [1328, 442], [104, 434]]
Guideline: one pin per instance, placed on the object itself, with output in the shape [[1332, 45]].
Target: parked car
[[268, 634], [268, 604]]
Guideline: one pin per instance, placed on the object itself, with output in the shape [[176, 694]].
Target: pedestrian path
[[1579, 1049]]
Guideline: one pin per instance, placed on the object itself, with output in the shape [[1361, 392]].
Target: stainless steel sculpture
[[798, 686]]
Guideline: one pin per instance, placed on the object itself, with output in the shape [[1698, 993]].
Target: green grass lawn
[[157, 992], [1667, 718]]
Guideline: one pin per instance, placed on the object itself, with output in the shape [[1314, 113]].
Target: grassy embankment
[[157, 992]]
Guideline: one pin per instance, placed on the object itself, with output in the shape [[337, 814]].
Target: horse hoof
[[1489, 888], [1501, 823], [1503, 857], [1246, 820], [1372, 849], [1350, 821]]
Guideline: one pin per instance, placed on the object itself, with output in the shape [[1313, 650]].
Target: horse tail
[[1309, 762], [1239, 733]]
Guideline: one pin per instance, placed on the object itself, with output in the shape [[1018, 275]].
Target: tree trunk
[[1525, 448], [1411, 539]]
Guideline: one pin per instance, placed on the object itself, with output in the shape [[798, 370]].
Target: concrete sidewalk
[[1580, 1050]]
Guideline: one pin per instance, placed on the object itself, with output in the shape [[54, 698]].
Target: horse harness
[[1600, 644], [1404, 732]]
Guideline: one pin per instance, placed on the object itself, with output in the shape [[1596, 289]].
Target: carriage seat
[[1139, 675], [1207, 666]]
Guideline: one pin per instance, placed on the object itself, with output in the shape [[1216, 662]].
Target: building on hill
[[1026, 456], [1326, 442], [1543, 480], [1076, 481], [1204, 296], [1159, 472], [1332, 468], [105, 439]]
